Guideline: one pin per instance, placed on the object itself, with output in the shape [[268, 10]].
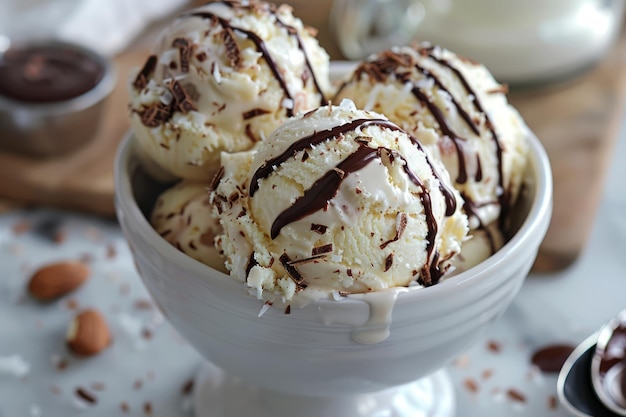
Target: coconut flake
[[134, 328], [14, 365], [288, 103], [217, 74]]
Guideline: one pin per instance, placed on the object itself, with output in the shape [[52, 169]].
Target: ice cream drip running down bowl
[[312, 358], [343, 229]]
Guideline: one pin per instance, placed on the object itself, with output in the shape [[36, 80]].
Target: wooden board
[[577, 122]]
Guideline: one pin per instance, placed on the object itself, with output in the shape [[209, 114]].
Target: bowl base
[[217, 394]]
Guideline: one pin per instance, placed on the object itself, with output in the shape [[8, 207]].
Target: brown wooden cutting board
[[577, 122]]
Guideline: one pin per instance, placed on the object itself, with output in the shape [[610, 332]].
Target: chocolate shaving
[[494, 346], [143, 304], [184, 51], [291, 270], [202, 56], [234, 196], [389, 262], [146, 72], [188, 387], [401, 60], [251, 264], [515, 395], [319, 228], [155, 115], [471, 384], [86, 395], [216, 179], [401, 222], [288, 309], [501, 89], [363, 139], [322, 249], [232, 49], [183, 102], [250, 134], [254, 113]]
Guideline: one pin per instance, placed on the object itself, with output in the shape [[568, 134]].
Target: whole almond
[[88, 333], [57, 279]]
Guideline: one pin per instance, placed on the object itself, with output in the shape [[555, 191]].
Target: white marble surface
[[139, 370]]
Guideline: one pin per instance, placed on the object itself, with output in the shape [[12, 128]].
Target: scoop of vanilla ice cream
[[337, 200], [459, 112], [184, 217], [221, 78]]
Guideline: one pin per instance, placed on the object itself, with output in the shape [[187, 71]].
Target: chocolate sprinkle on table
[[85, 395]]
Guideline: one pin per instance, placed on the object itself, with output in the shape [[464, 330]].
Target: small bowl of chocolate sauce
[[51, 97]]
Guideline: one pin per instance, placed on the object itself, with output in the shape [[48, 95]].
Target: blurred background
[[521, 42]]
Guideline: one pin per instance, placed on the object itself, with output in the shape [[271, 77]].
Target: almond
[[58, 279], [88, 333]]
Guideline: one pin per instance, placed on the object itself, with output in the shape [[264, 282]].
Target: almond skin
[[57, 279], [88, 334]]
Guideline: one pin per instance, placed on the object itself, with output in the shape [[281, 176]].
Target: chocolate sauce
[[505, 196], [47, 73], [443, 125], [464, 115], [262, 48], [550, 359]]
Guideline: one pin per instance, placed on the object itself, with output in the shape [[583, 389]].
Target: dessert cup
[[375, 354]]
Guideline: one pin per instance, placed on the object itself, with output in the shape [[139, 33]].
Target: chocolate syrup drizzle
[[262, 48], [326, 187], [505, 197], [388, 65]]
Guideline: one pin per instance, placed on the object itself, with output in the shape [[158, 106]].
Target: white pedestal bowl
[[309, 363]]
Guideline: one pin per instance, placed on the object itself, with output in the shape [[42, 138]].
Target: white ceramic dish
[[312, 351]]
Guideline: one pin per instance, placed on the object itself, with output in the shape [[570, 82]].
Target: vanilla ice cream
[[337, 200], [458, 111], [222, 77], [184, 217]]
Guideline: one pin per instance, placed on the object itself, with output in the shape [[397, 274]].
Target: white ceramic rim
[[535, 223], [102, 89]]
